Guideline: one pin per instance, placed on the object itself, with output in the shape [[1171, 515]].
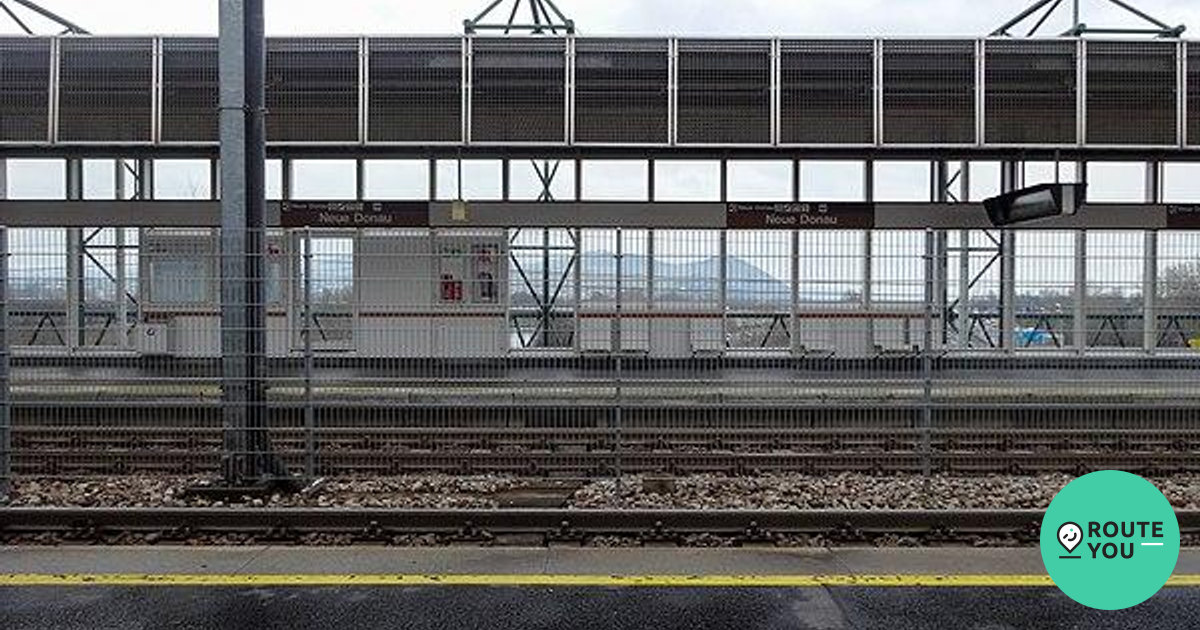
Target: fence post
[[927, 354], [618, 350], [5, 403], [310, 438]]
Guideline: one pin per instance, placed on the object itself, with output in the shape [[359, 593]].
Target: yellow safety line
[[657, 581]]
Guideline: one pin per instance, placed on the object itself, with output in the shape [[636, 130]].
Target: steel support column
[[122, 290], [76, 295], [1154, 188], [1010, 180], [941, 290], [242, 60]]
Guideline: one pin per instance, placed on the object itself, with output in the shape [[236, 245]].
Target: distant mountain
[[693, 281]]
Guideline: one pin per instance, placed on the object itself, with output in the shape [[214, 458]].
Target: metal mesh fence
[[189, 90], [827, 92], [5, 406], [312, 90], [724, 92], [518, 90], [575, 352], [1177, 305], [1031, 94], [106, 91], [415, 90], [621, 91], [25, 99], [929, 92], [1193, 94], [1132, 93]]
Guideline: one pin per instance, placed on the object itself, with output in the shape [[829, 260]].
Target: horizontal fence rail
[[611, 92]]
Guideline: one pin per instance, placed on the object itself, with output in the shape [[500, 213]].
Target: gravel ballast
[[706, 492]]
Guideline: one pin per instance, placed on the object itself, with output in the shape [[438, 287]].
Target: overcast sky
[[601, 17]]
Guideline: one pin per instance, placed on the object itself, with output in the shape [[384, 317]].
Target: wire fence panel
[[724, 92], [1031, 95], [106, 90], [1132, 95], [929, 92], [415, 90], [519, 90], [621, 91], [312, 90], [24, 101], [189, 90], [600, 352], [827, 92]]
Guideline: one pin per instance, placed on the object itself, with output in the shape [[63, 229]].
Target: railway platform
[[557, 587]]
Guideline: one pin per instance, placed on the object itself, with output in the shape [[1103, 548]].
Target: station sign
[[801, 216], [1183, 217], [354, 214]]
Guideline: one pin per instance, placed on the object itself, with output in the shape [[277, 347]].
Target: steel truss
[[69, 27], [545, 16], [1152, 25]]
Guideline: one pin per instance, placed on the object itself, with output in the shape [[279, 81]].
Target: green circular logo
[[1110, 540]]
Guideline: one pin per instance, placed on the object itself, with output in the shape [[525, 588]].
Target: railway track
[[602, 450], [521, 526], [606, 464], [524, 527], [541, 433]]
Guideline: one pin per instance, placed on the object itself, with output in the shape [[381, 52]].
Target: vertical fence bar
[[618, 350], [1079, 299], [5, 405], [310, 438], [1150, 292], [927, 354]]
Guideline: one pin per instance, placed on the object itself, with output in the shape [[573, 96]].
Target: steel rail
[[526, 526], [551, 523]]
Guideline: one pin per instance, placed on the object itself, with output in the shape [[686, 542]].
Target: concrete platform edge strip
[[516, 580]]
